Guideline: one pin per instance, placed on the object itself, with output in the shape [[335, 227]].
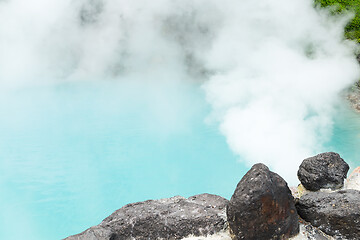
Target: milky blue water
[[71, 154]]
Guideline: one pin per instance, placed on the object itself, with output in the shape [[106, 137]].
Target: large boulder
[[325, 170], [335, 213], [171, 218], [262, 207]]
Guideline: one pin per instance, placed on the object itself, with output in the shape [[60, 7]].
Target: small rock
[[309, 232], [325, 170], [171, 218], [262, 207], [335, 213]]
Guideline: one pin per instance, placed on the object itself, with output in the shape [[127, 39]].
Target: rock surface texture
[[262, 207], [171, 218], [335, 213], [354, 98], [325, 170]]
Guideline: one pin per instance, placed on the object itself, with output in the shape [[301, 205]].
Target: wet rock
[[262, 207], [171, 218], [325, 170], [335, 213]]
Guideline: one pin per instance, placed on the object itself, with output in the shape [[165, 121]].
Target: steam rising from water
[[271, 69]]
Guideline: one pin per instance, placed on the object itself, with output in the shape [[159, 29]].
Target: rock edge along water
[[335, 213], [271, 208], [171, 218], [261, 196]]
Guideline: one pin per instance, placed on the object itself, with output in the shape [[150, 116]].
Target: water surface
[[71, 154]]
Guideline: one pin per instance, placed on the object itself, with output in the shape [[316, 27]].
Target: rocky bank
[[353, 97], [324, 206]]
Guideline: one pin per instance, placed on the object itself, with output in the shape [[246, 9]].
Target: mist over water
[[287, 66], [272, 72]]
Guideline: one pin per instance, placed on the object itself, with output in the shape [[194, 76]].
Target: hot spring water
[[71, 154], [103, 103]]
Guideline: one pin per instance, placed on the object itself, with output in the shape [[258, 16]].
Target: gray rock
[[335, 213], [325, 170], [262, 207], [310, 232], [171, 218]]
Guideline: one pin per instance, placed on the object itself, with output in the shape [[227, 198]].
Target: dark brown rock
[[336, 213], [325, 170], [171, 218], [262, 207]]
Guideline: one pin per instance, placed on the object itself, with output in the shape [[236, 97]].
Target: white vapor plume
[[285, 67], [272, 69]]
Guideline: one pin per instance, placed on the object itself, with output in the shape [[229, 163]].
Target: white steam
[[272, 69], [285, 67]]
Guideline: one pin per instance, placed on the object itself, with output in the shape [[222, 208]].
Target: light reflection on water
[[72, 154]]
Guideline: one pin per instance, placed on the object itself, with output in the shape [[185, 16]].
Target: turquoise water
[[346, 135], [71, 154]]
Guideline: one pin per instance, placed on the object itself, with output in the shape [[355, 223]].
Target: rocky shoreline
[[324, 206], [353, 97], [353, 94]]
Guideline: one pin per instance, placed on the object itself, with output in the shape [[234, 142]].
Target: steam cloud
[[271, 69]]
